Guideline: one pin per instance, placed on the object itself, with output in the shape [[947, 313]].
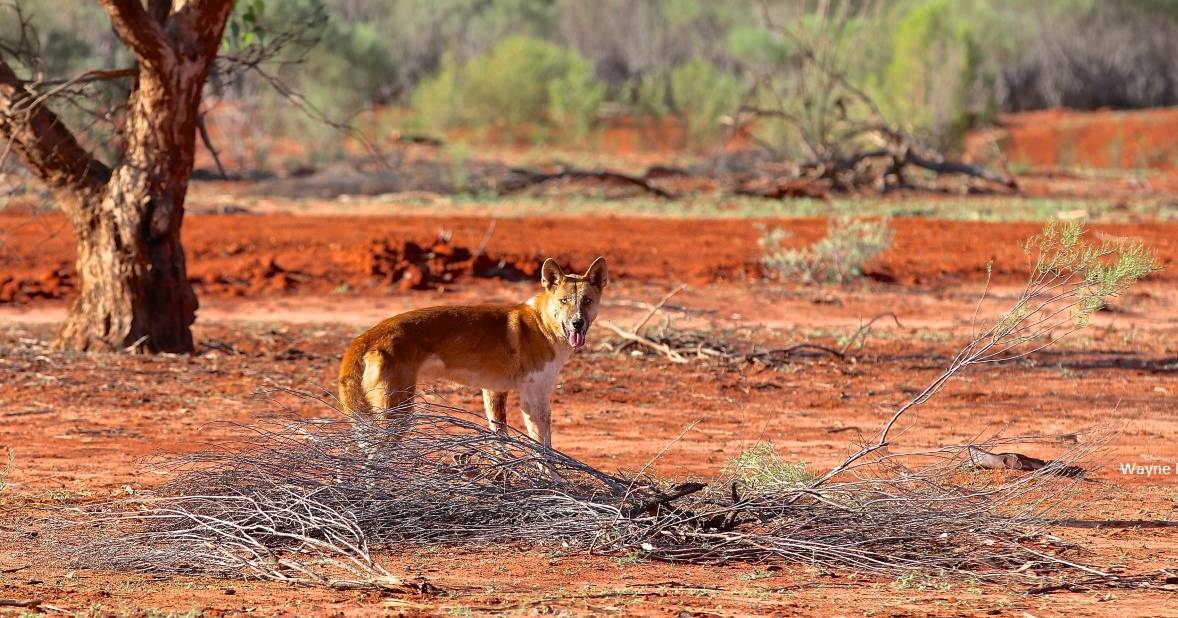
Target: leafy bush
[[849, 245], [521, 82], [649, 95], [935, 81], [573, 100], [701, 93]]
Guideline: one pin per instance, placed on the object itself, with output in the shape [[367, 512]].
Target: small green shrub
[[937, 80], [849, 245], [1102, 270], [573, 100], [649, 95], [701, 93], [760, 467], [520, 83]]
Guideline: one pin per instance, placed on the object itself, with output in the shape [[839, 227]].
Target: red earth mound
[[57, 282], [1103, 139], [413, 267]]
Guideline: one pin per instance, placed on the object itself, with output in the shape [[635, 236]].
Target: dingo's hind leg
[[388, 388], [495, 404], [387, 385]]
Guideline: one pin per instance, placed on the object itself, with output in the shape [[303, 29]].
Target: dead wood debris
[[723, 345], [986, 460], [522, 178], [296, 501], [876, 170]]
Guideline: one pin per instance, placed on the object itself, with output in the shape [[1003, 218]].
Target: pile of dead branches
[[301, 503]]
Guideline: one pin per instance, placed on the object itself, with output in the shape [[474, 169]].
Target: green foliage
[[761, 468], [849, 245], [933, 81], [574, 98], [933, 66], [1072, 277], [245, 25], [649, 95], [521, 82], [340, 66], [701, 93], [634, 557], [352, 70], [1098, 270], [759, 48]]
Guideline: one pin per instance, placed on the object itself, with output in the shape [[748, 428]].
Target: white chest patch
[[538, 385]]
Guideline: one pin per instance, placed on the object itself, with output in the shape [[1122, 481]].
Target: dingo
[[497, 348]]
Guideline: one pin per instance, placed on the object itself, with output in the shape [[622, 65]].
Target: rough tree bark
[[131, 267]]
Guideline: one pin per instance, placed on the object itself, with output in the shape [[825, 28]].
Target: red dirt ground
[[275, 310], [236, 255], [282, 294], [1060, 138]]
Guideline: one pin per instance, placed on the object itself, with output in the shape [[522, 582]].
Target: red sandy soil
[[81, 425], [235, 255], [274, 310], [1060, 138]]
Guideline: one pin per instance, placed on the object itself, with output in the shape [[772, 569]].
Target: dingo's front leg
[[536, 401]]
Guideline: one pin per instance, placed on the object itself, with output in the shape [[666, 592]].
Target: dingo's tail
[[351, 382]]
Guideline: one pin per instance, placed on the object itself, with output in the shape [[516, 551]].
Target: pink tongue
[[577, 339]]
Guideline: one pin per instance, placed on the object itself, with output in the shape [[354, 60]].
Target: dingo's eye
[[564, 301], [586, 301]]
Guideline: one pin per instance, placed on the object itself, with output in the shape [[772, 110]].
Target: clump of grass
[[849, 245], [761, 468]]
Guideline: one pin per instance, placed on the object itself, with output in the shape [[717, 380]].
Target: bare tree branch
[[160, 9], [141, 32], [96, 75], [208, 142], [202, 23], [44, 144]]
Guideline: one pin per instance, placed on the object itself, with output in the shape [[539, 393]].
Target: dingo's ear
[[597, 276], [550, 273]]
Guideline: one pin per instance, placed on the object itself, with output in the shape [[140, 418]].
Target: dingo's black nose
[[579, 323]]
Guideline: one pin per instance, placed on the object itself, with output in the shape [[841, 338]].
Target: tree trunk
[[134, 283], [135, 292]]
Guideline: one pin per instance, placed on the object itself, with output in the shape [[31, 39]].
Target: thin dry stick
[[482, 250], [1072, 278], [662, 348], [861, 333], [657, 307]]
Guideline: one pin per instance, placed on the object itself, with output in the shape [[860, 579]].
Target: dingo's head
[[571, 300]]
